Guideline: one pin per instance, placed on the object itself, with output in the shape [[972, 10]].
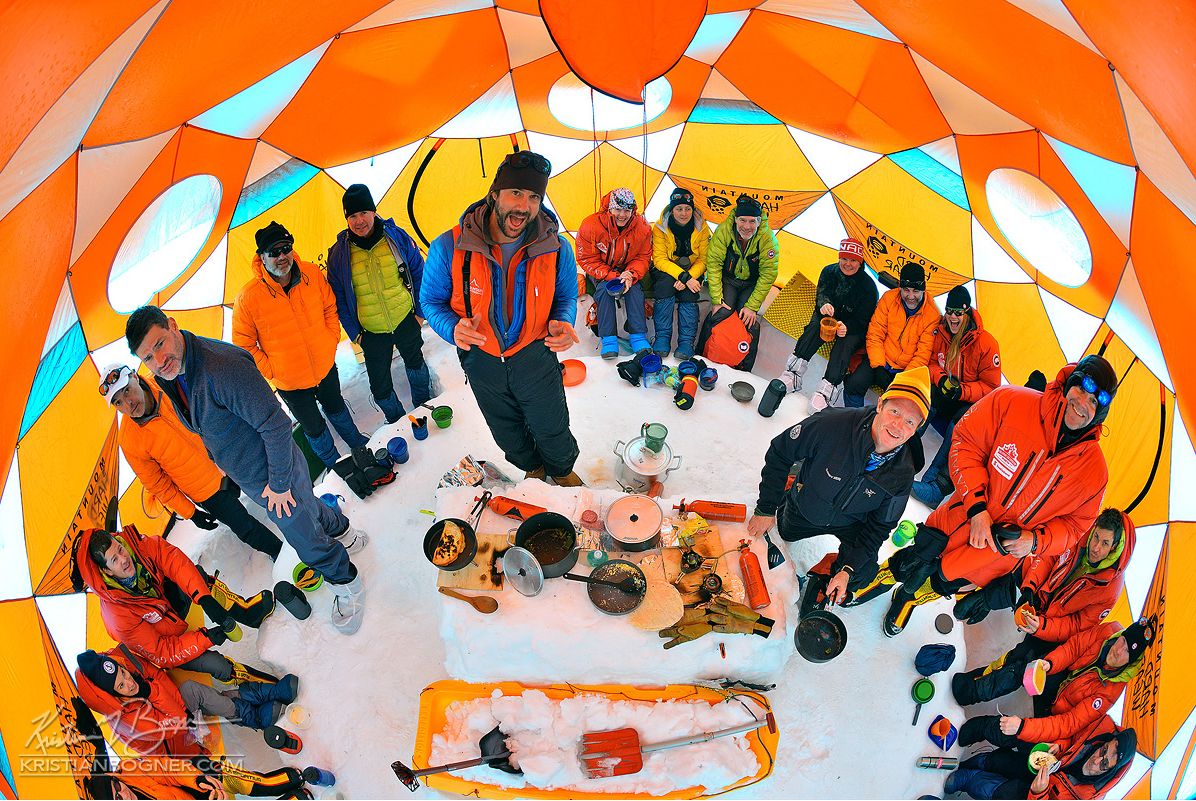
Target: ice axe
[[493, 746]]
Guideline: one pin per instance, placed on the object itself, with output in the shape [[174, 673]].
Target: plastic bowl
[[573, 372]]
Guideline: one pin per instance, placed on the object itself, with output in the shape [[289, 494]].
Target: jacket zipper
[[1042, 499], [1018, 480]]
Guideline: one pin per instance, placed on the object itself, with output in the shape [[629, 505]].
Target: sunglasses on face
[[110, 379], [1088, 384], [279, 250], [526, 158], [956, 312]]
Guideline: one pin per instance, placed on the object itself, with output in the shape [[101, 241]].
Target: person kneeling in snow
[[1084, 768], [154, 717], [615, 243], [857, 466], [146, 587], [1065, 595], [1085, 677]]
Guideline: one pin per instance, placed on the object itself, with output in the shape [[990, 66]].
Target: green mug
[[443, 415], [654, 434]]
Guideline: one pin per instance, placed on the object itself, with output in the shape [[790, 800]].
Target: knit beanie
[[913, 385], [746, 206], [621, 198], [358, 198], [271, 235], [852, 249], [680, 197], [100, 669], [523, 170], [1139, 636], [1101, 372], [958, 298], [913, 276]]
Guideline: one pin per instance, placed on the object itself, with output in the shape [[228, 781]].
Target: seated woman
[[1084, 768], [680, 239], [965, 365]]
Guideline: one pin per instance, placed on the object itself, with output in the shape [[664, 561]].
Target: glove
[[735, 618], [972, 608], [1002, 533], [215, 612], [953, 392], [203, 519], [346, 468], [692, 625], [217, 635]]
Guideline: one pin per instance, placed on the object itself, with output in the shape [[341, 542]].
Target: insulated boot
[[792, 375], [250, 612], [342, 421], [323, 447], [639, 343], [570, 479], [883, 582], [539, 473], [353, 539], [245, 673], [687, 329], [610, 347], [285, 689], [824, 397], [348, 607], [390, 407], [421, 385], [257, 716], [900, 608]]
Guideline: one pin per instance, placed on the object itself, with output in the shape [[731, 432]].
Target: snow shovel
[[620, 752], [493, 746]]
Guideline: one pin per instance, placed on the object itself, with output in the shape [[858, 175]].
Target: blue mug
[[650, 364], [615, 288], [397, 448], [331, 500], [708, 378], [383, 458], [419, 429], [687, 367]]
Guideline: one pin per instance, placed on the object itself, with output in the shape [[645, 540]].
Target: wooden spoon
[[482, 603]]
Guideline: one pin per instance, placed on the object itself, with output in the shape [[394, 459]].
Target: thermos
[[293, 599], [904, 533], [684, 399], [938, 762], [279, 738], [753, 577], [516, 510], [774, 393], [714, 510], [321, 778]]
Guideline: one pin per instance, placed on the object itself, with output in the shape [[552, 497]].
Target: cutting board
[[480, 574]]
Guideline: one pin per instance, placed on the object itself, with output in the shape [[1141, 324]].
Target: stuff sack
[[726, 340]]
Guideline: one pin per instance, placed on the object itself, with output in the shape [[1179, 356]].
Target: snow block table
[[559, 635]]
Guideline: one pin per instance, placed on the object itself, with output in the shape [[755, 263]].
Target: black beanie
[[1139, 636], [100, 669], [680, 197], [958, 298], [746, 206], [523, 170], [358, 198], [271, 234], [912, 276]]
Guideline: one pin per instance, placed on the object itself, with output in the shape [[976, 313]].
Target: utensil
[[523, 571], [820, 635], [742, 391], [620, 753], [627, 585], [828, 329], [922, 692], [397, 448], [776, 557], [482, 603], [443, 416], [479, 507], [654, 434], [493, 746], [639, 466]]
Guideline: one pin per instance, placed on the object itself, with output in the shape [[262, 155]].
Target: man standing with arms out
[[616, 243], [847, 294], [172, 463], [286, 318], [502, 287], [375, 270], [218, 393]]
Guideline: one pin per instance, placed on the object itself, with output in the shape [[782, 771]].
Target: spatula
[[619, 752]]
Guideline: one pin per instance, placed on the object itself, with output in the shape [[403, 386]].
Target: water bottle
[[938, 762], [904, 533], [316, 776], [292, 599]]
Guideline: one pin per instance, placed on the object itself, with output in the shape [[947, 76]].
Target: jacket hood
[[1119, 558], [475, 232], [93, 577], [1124, 674], [101, 700]]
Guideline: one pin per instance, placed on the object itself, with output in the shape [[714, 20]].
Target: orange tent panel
[[1020, 354]]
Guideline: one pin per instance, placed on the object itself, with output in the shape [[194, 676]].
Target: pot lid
[[634, 518], [523, 571], [643, 460]]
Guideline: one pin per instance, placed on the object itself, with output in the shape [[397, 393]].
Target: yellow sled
[[435, 699]]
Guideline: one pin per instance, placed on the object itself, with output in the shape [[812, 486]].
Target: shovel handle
[[711, 735], [469, 763]]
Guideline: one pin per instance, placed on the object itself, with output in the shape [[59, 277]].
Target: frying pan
[[820, 635]]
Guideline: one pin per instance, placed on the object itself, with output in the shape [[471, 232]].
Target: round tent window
[[569, 102], [1039, 225], [164, 240]]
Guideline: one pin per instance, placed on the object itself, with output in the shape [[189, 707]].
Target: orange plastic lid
[[574, 372]]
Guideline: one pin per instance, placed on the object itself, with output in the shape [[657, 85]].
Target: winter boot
[[342, 421], [900, 609], [539, 473], [257, 716], [792, 375], [421, 385], [610, 347], [285, 689], [353, 539], [639, 343], [825, 395], [978, 729], [963, 687], [958, 781], [243, 674], [687, 329], [348, 607], [323, 447], [877, 587], [391, 407], [662, 323], [570, 479], [250, 612]]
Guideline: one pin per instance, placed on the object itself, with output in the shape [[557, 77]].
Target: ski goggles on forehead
[[1088, 384], [526, 158], [279, 250], [110, 380]]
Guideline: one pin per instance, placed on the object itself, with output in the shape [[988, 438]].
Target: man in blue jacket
[[375, 270], [219, 394]]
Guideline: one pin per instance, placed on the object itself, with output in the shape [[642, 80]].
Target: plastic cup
[[443, 416], [615, 288], [331, 500], [650, 364], [299, 717], [904, 533], [687, 367], [828, 329], [419, 429], [708, 378], [383, 458], [397, 448], [654, 434]]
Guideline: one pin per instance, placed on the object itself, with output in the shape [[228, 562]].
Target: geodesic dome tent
[[1040, 151]]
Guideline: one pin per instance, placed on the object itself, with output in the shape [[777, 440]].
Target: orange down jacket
[[292, 336], [1087, 692], [153, 726], [978, 367], [169, 458], [1005, 457], [148, 625], [897, 339], [1068, 607], [604, 251], [1062, 785]]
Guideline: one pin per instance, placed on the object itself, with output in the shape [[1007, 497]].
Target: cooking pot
[[548, 521], [640, 467], [633, 522]]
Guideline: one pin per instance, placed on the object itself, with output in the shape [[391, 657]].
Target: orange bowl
[[574, 372]]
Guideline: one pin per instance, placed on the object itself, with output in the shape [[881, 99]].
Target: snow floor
[[845, 725]]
